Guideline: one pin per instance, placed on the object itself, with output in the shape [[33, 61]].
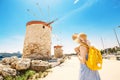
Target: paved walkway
[[70, 70]]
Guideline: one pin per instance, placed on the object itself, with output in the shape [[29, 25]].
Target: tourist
[[82, 53]]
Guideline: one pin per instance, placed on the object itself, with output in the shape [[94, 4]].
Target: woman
[[82, 53]]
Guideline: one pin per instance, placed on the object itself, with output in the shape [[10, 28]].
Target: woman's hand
[[78, 55], [77, 50]]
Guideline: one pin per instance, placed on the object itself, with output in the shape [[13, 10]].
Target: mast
[[31, 12]]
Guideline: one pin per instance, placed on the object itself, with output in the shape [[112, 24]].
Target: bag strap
[[85, 45]]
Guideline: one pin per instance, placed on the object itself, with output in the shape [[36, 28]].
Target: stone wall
[[37, 44]]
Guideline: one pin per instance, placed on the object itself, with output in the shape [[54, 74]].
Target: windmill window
[[43, 27]]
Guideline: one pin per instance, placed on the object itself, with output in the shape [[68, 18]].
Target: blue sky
[[97, 18]]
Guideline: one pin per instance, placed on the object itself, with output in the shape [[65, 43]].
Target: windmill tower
[[58, 51], [37, 43]]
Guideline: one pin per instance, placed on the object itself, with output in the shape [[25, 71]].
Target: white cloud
[[76, 1], [12, 44]]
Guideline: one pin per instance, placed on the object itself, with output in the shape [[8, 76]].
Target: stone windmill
[[58, 51], [37, 43]]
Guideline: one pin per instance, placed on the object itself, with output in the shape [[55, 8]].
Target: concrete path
[[69, 70]]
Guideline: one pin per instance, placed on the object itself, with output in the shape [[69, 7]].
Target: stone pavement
[[69, 70]]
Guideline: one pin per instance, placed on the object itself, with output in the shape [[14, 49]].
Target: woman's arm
[[82, 56]]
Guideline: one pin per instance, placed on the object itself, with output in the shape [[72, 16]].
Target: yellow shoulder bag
[[94, 61]]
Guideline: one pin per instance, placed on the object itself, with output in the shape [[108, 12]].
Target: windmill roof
[[38, 22], [58, 46]]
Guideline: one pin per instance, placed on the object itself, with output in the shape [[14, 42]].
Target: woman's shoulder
[[83, 50], [82, 47]]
